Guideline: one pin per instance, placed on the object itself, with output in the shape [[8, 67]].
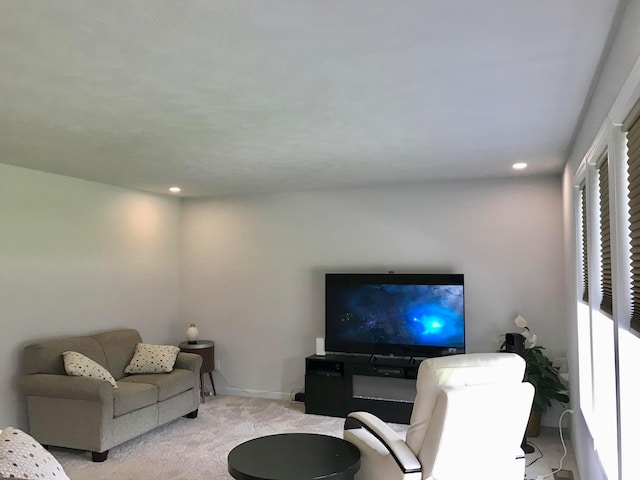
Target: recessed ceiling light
[[519, 166], [174, 189]]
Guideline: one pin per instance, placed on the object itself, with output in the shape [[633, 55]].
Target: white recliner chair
[[468, 422]]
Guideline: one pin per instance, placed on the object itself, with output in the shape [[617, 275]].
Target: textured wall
[[78, 257], [254, 265]]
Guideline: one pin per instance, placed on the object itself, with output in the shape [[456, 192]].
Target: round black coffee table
[[294, 456]]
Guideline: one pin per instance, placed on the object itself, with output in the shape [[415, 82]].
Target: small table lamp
[[192, 334]]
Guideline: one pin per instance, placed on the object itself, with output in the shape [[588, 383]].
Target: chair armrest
[[67, 386], [188, 361], [393, 442]]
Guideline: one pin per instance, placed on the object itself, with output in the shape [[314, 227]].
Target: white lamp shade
[[192, 333]]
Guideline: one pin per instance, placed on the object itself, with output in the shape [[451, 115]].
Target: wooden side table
[[204, 348]]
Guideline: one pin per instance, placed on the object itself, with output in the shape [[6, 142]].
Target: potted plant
[[544, 377]]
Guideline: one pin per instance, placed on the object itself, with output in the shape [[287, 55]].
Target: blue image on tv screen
[[425, 315]]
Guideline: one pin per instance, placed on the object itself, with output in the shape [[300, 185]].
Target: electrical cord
[[539, 452], [564, 446]]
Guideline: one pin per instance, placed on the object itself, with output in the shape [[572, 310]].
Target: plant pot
[[533, 425]]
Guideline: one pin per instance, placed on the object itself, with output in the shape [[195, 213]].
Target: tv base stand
[[336, 384]]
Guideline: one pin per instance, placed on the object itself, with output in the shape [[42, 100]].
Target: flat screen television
[[413, 315]]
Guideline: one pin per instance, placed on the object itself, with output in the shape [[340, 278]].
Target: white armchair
[[468, 421]]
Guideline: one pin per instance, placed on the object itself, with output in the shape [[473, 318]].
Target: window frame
[[605, 146]]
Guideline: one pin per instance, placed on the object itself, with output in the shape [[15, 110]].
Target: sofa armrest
[[395, 445], [67, 386], [188, 361]]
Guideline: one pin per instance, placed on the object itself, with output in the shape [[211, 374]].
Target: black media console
[[336, 384]]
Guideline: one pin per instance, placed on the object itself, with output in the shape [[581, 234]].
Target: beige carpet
[[197, 449]]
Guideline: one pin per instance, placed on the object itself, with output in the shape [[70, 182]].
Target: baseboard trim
[[243, 392]]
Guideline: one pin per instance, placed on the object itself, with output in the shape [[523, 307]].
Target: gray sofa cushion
[[168, 384], [130, 396], [119, 347], [46, 356]]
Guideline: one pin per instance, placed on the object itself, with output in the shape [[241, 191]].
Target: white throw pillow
[[153, 359], [81, 366], [22, 457]]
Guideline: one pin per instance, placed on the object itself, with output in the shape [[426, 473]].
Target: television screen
[[395, 314]]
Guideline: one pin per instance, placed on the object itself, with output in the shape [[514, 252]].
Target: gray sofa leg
[[99, 456], [193, 414]]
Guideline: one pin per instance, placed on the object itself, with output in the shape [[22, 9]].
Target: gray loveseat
[[89, 414]]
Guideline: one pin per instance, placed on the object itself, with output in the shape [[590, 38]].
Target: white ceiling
[[244, 96]]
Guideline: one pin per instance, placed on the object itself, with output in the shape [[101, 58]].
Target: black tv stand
[[393, 360], [336, 384]]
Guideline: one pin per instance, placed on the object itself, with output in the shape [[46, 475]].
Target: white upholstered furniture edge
[[468, 421]]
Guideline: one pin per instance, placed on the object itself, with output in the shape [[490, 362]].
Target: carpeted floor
[[197, 449]]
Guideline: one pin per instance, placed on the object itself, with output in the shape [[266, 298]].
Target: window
[[629, 345], [583, 243], [633, 153], [584, 313], [607, 213], [629, 328], [595, 325], [605, 422], [606, 288]]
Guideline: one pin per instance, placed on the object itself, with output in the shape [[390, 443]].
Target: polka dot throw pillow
[[153, 359], [22, 457], [81, 366]]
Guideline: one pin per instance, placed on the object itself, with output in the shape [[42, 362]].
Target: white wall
[[79, 257], [253, 265], [625, 51]]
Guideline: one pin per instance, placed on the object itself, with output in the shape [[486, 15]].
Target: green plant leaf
[[545, 378]]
